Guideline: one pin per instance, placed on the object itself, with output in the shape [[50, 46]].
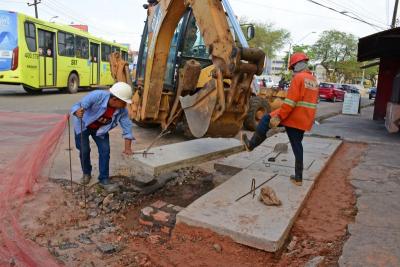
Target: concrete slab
[[179, 155], [248, 221], [317, 152]]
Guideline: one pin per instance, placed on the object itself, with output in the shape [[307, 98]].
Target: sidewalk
[[375, 234]]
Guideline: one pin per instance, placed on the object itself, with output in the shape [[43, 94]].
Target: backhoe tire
[[73, 83], [258, 107], [32, 91]]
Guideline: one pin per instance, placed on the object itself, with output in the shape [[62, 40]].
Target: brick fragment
[[146, 211], [161, 216], [144, 222], [158, 204]]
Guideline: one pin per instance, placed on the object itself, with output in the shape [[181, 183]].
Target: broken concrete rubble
[[160, 215]]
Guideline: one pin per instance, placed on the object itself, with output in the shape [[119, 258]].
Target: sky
[[123, 20]]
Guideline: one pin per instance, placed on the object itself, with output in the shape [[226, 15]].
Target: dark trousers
[[295, 136], [103, 146]]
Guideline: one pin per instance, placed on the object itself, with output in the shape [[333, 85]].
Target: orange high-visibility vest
[[300, 105]]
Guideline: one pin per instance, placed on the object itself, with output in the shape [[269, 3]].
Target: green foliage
[[337, 52], [267, 37], [307, 49]]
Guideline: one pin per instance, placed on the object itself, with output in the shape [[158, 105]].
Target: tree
[[336, 52], [267, 37], [307, 49]]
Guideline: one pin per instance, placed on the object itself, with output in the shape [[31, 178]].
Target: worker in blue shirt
[[100, 111]]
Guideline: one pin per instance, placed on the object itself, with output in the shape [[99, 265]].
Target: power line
[[288, 10], [346, 13], [371, 16], [35, 3], [353, 10]]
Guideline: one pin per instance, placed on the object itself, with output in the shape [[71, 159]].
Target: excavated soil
[[74, 238]]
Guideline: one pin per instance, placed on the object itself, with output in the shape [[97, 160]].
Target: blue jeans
[[295, 136], [103, 146]]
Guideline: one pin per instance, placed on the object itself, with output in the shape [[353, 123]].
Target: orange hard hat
[[297, 57]]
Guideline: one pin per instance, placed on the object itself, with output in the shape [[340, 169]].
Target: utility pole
[[396, 4], [35, 3]]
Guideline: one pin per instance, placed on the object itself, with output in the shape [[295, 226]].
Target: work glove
[[274, 122]]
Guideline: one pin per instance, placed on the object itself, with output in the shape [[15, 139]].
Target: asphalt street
[[14, 98]]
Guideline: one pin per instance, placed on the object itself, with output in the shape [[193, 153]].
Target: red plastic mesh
[[26, 144]]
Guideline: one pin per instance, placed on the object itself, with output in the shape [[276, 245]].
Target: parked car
[[350, 89], [331, 92], [265, 81], [372, 92]]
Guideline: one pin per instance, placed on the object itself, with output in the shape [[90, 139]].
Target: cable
[[287, 10], [353, 11], [346, 14]]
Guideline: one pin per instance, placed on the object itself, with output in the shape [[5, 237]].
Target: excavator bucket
[[198, 110]]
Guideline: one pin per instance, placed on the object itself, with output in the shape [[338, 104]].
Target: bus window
[[105, 52], [124, 55], [82, 47], [115, 49], [30, 36], [66, 44], [46, 43]]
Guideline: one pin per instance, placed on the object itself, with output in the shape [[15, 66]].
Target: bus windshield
[[8, 38]]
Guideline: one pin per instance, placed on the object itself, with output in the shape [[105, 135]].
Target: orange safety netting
[[26, 144]]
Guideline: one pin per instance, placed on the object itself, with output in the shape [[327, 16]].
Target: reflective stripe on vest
[[306, 104], [289, 102], [300, 104]]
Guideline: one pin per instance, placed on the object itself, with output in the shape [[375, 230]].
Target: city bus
[[38, 55]]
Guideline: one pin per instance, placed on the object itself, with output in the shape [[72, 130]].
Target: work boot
[[86, 179], [254, 142], [108, 186], [297, 178]]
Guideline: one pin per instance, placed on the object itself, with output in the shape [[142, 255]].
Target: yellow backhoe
[[195, 68]]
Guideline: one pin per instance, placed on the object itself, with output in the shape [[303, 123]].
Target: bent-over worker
[[296, 114], [101, 111]]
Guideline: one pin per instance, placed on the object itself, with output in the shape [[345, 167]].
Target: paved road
[[14, 98]]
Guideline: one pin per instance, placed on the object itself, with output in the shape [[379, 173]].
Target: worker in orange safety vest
[[296, 114]]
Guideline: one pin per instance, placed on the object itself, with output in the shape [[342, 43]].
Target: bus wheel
[[73, 83], [32, 91]]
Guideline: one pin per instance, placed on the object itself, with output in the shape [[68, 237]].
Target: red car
[[331, 91]]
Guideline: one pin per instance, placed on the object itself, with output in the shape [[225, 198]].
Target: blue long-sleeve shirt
[[95, 104]]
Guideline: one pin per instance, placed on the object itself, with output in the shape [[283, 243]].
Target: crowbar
[[254, 188]]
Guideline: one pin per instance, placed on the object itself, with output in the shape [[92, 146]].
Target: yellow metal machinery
[[191, 70]]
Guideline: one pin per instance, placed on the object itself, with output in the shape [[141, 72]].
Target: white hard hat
[[122, 91]]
